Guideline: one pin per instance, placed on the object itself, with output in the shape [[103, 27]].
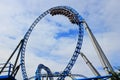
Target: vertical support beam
[[18, 55], [92, 68], [9, 71], [103, 59], [10, 57]]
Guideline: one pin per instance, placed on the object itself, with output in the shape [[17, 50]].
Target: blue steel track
[[74, 18], [38, 72]]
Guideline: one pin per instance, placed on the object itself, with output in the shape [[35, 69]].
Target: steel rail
[[74, 18]]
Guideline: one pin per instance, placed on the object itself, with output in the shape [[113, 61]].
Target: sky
[[53, 40]]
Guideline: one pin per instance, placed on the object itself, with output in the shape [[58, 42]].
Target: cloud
[[43, 46]]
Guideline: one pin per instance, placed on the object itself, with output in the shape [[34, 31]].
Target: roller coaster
[[76, 19]]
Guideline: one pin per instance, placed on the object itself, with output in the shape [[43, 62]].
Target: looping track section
[[74, 18], [38, 72]]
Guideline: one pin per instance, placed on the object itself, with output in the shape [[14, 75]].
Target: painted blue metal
[[76, 19], [77, 49], [38, 72], [26, 37], [79, 43], [97, 78], [6, 77], [9, 71]]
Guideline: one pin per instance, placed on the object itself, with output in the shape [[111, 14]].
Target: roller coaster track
[[50, 75], [38, 72], [72, 76], [74, 18]]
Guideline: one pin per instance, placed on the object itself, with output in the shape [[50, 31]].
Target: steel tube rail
[[74, 18], [92, 68], [103, 59]]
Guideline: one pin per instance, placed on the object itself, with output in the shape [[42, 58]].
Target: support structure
[[39, 74], [104, 61], [92, 68], [76, 19], [13, 68]]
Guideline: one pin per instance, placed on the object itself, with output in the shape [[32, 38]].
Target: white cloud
[[17, 16]]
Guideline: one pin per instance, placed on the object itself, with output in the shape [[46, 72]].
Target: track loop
[[74, 18]]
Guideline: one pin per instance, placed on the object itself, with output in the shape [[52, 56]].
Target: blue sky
[[54, 38]]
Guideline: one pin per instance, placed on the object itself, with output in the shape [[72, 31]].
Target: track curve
[[74, 18], [38, 72]]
